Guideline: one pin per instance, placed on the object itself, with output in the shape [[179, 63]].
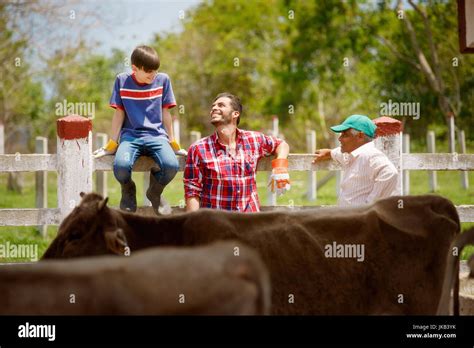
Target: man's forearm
[[192, 204], [282, 150], [117, 123]]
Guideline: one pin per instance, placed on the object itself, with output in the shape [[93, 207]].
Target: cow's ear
[[116, 241], [102, 204], [82, 194]]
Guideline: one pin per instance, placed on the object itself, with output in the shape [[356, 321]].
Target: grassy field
[[448, 182]]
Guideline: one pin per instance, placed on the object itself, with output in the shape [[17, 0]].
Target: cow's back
[[160, 281], [405, 241]]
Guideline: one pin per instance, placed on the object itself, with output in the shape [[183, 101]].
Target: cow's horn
[[103, 203]]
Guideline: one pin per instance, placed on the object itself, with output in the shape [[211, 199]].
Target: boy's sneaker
[[129, 197], [154, 193]]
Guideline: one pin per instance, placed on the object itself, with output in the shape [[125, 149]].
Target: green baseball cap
[[358, 122]]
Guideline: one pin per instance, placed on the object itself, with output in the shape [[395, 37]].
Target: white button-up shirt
[[367, 175]]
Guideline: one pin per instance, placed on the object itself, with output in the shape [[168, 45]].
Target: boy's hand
[[177, 149], [108, 149], [280, 179]]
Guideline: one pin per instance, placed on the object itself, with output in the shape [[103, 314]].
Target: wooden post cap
[[73, 127], [387, 126]]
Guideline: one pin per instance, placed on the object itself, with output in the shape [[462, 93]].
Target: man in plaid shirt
[[221, 169]]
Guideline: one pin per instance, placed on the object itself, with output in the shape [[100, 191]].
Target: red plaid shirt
[[224, 181]]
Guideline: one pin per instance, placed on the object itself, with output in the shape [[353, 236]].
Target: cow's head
[[91, 228]]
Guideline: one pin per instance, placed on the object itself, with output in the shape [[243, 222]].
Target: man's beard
[[224, 120]]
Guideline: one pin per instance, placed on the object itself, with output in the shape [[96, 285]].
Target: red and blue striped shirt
[[143, 104]]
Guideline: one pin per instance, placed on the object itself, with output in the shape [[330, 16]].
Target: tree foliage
[[312, 63], [21, 98]]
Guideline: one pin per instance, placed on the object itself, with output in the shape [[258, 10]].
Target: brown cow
[[310, 254], [225, 278], [452, 272], [470, 263]]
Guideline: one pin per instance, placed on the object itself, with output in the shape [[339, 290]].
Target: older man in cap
[[368, 174]]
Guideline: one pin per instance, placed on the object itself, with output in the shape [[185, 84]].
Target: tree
[[232, 52], [420, 48], [27, 33], [21, 98], [82, 78], [324, 71]]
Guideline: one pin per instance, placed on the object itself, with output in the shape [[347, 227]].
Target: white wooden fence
[[74, 164]]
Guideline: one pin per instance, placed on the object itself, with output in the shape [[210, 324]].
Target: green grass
[[448, 183]]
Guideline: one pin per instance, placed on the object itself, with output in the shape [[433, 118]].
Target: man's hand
[[192, 204], [280, 179], [108, 149], [322, 155], [177, 149]]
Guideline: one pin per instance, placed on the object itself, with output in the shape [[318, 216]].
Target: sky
[[124, 24], [134, 22]]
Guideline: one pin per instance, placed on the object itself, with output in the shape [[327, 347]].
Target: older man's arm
[[322, 155], [327, 154]]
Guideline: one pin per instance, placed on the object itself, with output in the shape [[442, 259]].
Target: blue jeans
[[157, 148]]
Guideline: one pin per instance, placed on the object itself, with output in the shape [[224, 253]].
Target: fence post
[[271, 197], [464, 174], [41, 182], [388, 139], [2, 139], [452, 138], [406, 173], [195, 136], [311, 148], [100, 176], [275, 125], [176, 130], [75, 161], [432, 176]]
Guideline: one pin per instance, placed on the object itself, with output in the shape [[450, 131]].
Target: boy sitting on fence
[[142, 121]]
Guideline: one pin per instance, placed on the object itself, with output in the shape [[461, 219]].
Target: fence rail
[[74, 164], [296, 162], [29, 217], [28, 163], [52, 216]]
